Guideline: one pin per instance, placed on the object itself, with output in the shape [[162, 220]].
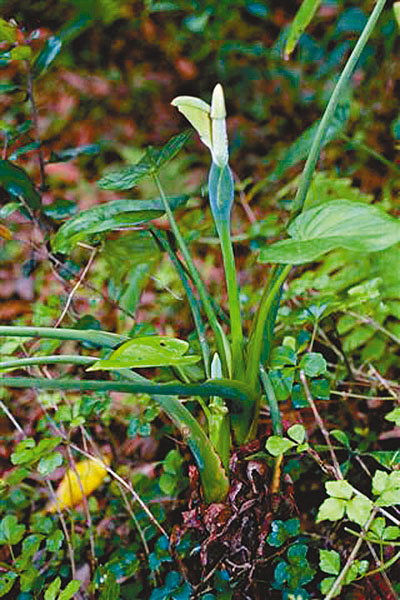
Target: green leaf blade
[[337, 224], [146, 352], [47, 55], [117, 214], [302, 19]]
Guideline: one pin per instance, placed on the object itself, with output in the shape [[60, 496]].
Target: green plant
[[227, 372], [236, 388]]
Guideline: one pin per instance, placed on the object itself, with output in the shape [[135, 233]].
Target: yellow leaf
[[90, 473], [5, 232]]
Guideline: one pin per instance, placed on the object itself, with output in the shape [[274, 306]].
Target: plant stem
[[71, 359], [344, 78], [237, 391], [100, 338], [194, 274], [234, 302], [377, 155], [193, 301], [35, 119], [257, 338], [320, 423], [272, 403], [351, 557]]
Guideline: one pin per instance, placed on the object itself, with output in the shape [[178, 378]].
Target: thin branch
[[320, 424], [35, 119], [76, 286], [351, 558]]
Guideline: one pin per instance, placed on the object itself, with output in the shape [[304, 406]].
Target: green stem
[[100, 338], [193, 301], [72, 359], [194, 274], [344, 78], [257, 339], [371, 152], [234, 302], [237, 391], [272, 403]]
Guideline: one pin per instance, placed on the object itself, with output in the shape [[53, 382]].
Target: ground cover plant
[[247, 490]]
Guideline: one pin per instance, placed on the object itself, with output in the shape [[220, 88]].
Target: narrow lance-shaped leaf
[[127, 177], [336, 224], [17, 183], [302, 19], [118, 214], [46, 56], [300, 149]]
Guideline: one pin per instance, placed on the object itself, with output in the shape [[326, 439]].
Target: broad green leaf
[[326, 585], [277, 445], [21, 53], [48, 464], [388, 488], [339, 489], [282, 356], [394, 415], [329, 561], [336, 224], [70, 153], [54, 540], [7, 580], [46, 56], [313, 364], [24, 452], [71, 589], [11, 532], [378, 526], [392, 532], [125, 253], [297, 432], [332, 509], [379, 482], [127, 177], [60, 209], [341, 437], [282, 531], [53, 589], [358, 509], [386, 458], [150, 351], [303, 17], [17, 183], [8, 32], [117, 214]]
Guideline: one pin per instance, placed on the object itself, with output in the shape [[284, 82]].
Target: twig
[[384, 383], [52, 493], [320, 424], [127, 486], [12, 419], [35, 119], [76, 286], [379, 564], [337, 583], [64, 528]]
